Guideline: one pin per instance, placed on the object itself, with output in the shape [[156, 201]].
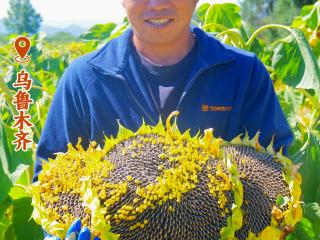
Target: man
[[156, 67]]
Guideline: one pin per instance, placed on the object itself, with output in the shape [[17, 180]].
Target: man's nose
[[158, 5]]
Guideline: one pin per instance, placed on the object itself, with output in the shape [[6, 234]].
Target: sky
[[65, 12]]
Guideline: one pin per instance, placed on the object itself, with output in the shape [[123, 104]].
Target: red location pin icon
[[22, 46]]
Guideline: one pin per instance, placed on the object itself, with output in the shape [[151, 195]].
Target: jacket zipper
[[202, 70], [118, 76], [122, 79]]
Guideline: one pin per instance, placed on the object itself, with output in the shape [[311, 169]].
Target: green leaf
[[23, 226], [312, 212], [202, 10], [303, 231], [5, 205], [21, 187], [17, 192], [12, 163], [282, 201], [99, 32], [226, 14], [9, 234], [118, 30], [4, 226], [297, 22], [311, 15], [291, 100], [309, 156], [4, 218], [53, 64], [295, 63]]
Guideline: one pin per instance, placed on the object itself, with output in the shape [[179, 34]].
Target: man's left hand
[[76, 233]]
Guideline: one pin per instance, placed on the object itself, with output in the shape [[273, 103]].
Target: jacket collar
[[113, 57]]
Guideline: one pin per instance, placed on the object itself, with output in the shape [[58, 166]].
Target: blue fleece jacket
[[227, 89]]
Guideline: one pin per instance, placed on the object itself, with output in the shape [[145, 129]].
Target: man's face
[[159, 21]]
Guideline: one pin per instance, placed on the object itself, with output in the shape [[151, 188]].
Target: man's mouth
[[159, 21]]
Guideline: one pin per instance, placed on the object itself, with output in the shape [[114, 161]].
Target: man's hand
[[75, 233]]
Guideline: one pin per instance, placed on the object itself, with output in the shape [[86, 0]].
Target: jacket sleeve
[[66, 120], [262, 111]]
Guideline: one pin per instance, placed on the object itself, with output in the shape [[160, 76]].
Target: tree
[[283, 12], [22, 17], [300, 3], [254, 12], [258, 13]]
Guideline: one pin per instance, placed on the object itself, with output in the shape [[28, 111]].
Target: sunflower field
[[293, 62]]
